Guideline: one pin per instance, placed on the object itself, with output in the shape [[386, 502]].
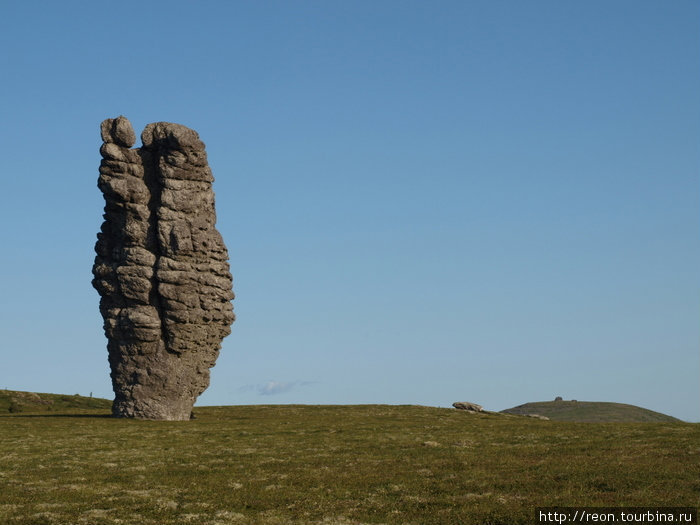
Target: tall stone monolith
[[161, 269]]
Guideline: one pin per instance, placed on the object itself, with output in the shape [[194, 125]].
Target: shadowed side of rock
[[161, 269]]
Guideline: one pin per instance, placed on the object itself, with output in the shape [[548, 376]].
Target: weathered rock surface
[[161, 269], [466, 405]]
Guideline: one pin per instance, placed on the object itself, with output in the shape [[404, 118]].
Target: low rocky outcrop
[[469, 407], [161, 269]]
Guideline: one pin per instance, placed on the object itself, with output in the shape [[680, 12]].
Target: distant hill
[[12, 401], [590, 411]]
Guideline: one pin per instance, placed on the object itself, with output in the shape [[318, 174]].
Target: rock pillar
[[161, 269]]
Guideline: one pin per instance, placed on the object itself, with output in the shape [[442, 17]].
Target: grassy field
[[16, 402], [591, 412], [333, 465]]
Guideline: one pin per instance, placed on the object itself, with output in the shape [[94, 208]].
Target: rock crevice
[[161, 269]]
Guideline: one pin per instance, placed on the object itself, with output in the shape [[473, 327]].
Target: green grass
[[17, 402], [591, 411], [334, 465]]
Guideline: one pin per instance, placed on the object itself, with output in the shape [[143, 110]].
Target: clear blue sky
[[424, 202]]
